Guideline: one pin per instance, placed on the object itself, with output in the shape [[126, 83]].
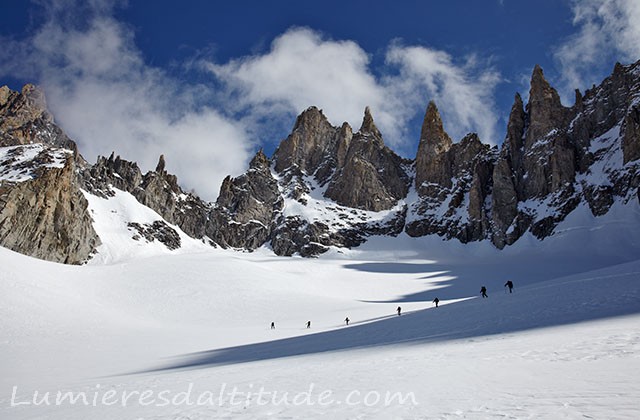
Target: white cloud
[[608, 30], [464, 94], [303, 68], [106, 97]]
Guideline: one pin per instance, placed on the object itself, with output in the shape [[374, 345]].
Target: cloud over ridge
[[108, 98], [607, 30], [303, 68]]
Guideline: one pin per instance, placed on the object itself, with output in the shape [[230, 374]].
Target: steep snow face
[[313, 207], [118, 221], [19, 163], [608, 167]]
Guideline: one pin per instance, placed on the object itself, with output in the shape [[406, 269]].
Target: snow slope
[[189, 327], [111, 217]]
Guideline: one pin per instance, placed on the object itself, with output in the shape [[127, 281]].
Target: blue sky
[[208, 83]]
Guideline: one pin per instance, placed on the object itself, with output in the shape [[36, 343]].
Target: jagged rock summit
[[328, 186], [432, 148], [553, 159]]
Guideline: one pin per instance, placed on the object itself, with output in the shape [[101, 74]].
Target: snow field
[[192, 325], [563, 348]]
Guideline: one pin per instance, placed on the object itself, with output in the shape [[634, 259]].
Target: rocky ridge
[[553, 159], [330, 186]]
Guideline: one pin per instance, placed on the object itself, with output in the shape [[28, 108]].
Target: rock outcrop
[[314, 146], [338, 176], [156, 231], [46, 216], [42, 212], [246, 207], [372, 176], [432, 167], [25, 119], [358, 169], [453, 181]]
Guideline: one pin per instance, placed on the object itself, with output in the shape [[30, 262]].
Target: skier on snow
[[436, 301], [509, 284], [399, 310], [483, 291]]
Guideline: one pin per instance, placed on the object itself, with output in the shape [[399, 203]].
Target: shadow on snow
[[537, 305]]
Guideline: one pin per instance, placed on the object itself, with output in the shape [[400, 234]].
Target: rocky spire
[[311, 116], [370, 176], [544, 108], [515, 131], [161, 164], [431, 162], [578, 101], [433, 131], [5, 94], [260, 161], [368, 126], [506, 176], [308, 144]]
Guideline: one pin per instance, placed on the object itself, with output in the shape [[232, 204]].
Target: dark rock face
[[46, 217], [246, 207], [631, 136], [314, 147], [160, 191], [42, 211], [372, 176], [453, 181], [432, 167], [504, 202], [295, 235], [111, 172], [158, 230]]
